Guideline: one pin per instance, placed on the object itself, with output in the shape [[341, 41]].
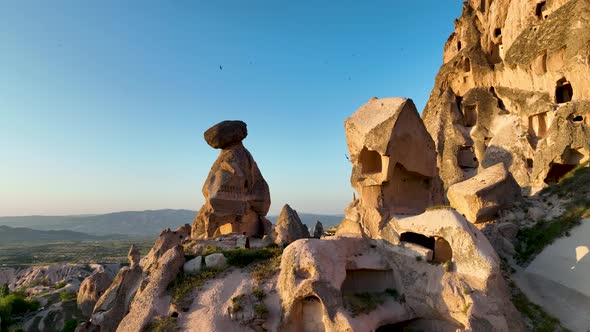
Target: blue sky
[[103, 104]]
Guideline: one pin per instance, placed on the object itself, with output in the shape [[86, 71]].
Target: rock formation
[[139, 292], [389, 177], [514, 88], [288, 228], [466, 291], [482, 196], [236, 195], [91, 290], [318, 230]]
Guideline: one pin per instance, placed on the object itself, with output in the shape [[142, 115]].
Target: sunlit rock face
[[393, 162], [435, 272], [514, 88], [236, 195]]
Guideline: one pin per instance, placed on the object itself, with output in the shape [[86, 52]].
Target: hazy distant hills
[[129, 223], [21, 234], [122, 224]]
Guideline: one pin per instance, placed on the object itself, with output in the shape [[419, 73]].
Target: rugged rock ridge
[[514, 88], [236, 195]]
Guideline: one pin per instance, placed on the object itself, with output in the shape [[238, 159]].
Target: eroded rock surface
[[460, 288], [514, 88], [236, 195], [389, 176], [482, 196], [289, 227]]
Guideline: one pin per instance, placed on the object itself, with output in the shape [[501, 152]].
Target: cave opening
[[578, 118], [540, 8], [370, 161], [564, 92], [497, 32], [367, 281], [419, 239], [470, 115], [458, 45]]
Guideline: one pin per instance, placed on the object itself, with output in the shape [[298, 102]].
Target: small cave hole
[[174, 314], [529, 162], [564, 91], [419, 239], [458, 45], [578, 118], [482, 6], [540, 8], [470, 115], [497, 32], [466, 65], [370, 161]]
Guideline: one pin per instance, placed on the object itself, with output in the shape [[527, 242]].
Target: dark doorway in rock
[[409, 191], [370, 161], [578, 118], [466, 65], [482, 6], [529, 163], [459, 102], [420, 324], [466, 157], [442, 250], [564, 92], [539, 9], [419, 239], [470, 115], [368, 281], [458, 45], [308, 315], [557, 171], [497, 32]]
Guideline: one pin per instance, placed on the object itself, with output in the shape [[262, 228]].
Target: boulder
[[508, 229], [535, 213], [236, 196], [193, 266], [318, 230], [481, 197], [226, 133], [91, 290], [215, 261], [289, 227]]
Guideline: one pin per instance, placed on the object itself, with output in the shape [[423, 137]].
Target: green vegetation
[[418, 258], [184, 283], [67, 296], [263, 271], [13, 305], [163, 324], [237, 303], [438, 207], [70, 325], [540, 320], [104, 251], [260, 310], [362, 303], [576, 186], [258, 293], [60, 284]]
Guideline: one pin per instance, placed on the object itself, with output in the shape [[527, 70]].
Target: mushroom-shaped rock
[[236, 195], [91, 290], [480, 197], [226, 133], [289, 227]]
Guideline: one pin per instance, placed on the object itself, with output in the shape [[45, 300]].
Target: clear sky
[[103, 104]]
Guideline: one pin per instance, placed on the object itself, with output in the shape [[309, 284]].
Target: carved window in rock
[[538, 125], [564, 92], [367, 281], [466, 65], [539, 9], [470, 115], [466, 157], [419, 239], [370, 161]]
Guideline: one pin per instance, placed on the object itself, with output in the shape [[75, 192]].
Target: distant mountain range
[[120, 224], [22, 234]]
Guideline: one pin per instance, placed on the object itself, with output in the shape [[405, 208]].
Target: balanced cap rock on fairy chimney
[[236, 195]]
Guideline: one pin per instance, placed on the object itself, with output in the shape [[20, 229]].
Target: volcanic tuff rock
[[318, 230], [482, 196], [318, 277], [138, 293], [289, 227], [226, 133], [91, 290], [514, 88], [236, 195], [389, 176]]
